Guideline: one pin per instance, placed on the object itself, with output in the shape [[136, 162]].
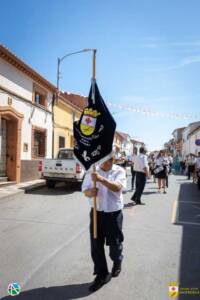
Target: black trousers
[[191, 169], [167, 180], [109, 231], [133, 173], [140, 184], [198, 180]]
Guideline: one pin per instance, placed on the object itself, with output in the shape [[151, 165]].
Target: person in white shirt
[[166, 164], [198, 170], [133, 173], [110, 180], [161, 171], [191, 161], [141, 169]]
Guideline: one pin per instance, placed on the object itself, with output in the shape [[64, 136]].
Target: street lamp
[[60, 59]]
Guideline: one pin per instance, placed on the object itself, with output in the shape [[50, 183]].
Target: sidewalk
[[20, 188]]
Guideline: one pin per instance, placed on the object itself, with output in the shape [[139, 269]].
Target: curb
[[18, 192], [23, 190], [34, 186]]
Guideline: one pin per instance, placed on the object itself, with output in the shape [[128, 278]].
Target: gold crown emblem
[[91, 112]]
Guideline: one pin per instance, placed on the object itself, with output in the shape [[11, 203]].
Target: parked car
[[65, 168]]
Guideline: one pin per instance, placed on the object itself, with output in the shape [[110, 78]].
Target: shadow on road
[[66, 292], [60, 189], [182, 179], [188, 216], [128, 205], [149, 193]]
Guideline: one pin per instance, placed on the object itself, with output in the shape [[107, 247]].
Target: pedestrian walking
[[141, 169], [133, 173], [151, 165], [177, 164], [170, 163], [191, 161], [110, 180], [167, 167], [182, 166], [161, 171], [198, 170]]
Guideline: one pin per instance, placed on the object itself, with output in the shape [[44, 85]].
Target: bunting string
[[151, 113]]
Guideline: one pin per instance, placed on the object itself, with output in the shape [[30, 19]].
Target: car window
[[66, 154]]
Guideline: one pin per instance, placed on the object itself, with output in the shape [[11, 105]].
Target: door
[[2, 147]]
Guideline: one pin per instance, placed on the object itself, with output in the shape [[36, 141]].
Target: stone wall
[[29, 170]]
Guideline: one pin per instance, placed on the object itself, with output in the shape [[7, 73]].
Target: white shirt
[[140, 162], [198, 162], [191, 160], [133, 158], [159, 161], [170, 158], [166, 161], [107, 200]]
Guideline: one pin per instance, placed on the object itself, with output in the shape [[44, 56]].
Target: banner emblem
[[173, 290], [88, 121]]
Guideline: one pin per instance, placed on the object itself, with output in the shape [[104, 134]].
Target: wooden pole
[[94, 167]]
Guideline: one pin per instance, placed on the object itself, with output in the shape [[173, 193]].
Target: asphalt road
[[44, 244]]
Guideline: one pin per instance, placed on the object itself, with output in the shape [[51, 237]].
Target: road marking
[[196, 207], [174, 212], [187, 223], [192, 202]]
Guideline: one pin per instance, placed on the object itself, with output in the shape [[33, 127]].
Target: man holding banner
[[93, 139], [111, 179]]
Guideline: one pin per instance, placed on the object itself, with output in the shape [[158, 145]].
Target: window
[[39, 143], [39, 99], [61, 142], [66, 154], [39, 95]]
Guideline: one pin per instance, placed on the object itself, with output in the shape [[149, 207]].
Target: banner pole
[[94, 167]]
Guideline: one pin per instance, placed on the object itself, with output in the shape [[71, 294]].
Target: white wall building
[[190, 135], [25, 118], [127, 145]]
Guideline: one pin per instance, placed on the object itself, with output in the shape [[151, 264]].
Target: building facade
[[190, 135], [137, 144], [67, 109], [127, 146], [178, 141], [117, 142], [25, 118]]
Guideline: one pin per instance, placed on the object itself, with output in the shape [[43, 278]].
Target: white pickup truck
[[65, 168]]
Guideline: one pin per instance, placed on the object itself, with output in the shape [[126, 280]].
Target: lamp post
[[60, 59]]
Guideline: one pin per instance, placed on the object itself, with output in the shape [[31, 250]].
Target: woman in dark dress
[[161, 171]]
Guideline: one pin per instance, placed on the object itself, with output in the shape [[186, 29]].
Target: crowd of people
[[159, 167], [110, 181]]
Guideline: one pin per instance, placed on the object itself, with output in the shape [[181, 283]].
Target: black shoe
[[99, 281], [140, 203], [116, 269]]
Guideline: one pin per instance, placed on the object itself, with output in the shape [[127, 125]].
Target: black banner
[[94, 132]]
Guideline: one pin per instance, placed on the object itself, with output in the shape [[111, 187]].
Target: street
[[45, 244]]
